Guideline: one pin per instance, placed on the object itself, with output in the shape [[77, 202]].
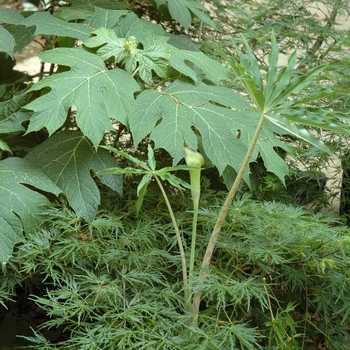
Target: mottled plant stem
[[224, 210]]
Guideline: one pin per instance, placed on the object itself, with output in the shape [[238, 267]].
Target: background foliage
[[129, 74]]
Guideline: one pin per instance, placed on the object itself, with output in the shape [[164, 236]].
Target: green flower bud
[[193, 158], [196, 160], [130, 45]]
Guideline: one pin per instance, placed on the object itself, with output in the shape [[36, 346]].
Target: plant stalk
[[201, 24], [196, 160], [194, 236], [179, 242], [195, 177], [223, 213]]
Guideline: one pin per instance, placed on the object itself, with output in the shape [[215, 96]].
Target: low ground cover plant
[[278, 279]]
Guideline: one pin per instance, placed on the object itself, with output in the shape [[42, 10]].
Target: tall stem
[[194, 236], [179, 242], [193, 250], [196, 160], [201, 24], [224, 210]]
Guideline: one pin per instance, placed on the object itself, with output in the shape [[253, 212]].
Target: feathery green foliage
[[276, 275]]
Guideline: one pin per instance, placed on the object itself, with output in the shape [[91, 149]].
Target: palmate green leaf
[[24, 29], [146, 60], [74, 13], [14, 35], [154, 54], [297, 131], [180, 11], [282, 79], [197, 10], [112, 29], [23, 35], [47, 24], [109, 44], [272, 72], [142, 190], [4, 147], [10, 16], [291, 87], [12, 115], [169, 115], [128, 156], [246, 79], [142, 186], [212, 69], [103, 18], [172, 117], [148, 172], [273, 162], [90, 4], [21, 207], [98, 94], [7, 42], [318, 118], [251, 65], [312, 96], [278, 99], [276, 81], [122, 171], [131, 25], [151, 159], [173, 180], [67, 158]]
